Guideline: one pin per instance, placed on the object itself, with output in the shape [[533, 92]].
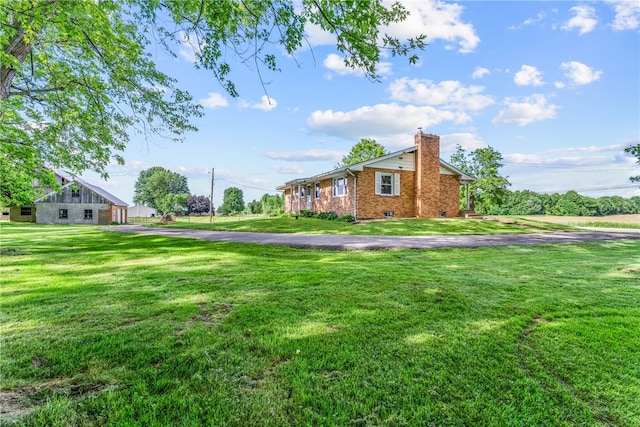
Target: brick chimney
[[427, 175]]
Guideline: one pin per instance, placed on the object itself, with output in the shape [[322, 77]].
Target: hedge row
[[328, 215]]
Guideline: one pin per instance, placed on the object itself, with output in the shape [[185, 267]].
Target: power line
[[552, 166], [243, 185]]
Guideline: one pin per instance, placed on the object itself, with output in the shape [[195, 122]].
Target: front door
[[308, 194]]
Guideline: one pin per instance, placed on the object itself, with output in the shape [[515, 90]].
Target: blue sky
[[552, 85]]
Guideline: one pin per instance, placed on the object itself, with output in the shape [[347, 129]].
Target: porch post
[[291, 198], [466, 187]]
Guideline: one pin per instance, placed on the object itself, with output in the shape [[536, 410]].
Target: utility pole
[[211, 199]]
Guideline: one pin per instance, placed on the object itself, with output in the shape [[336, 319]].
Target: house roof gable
[[358, 167]]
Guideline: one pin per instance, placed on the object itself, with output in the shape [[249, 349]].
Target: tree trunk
[[19, 49]]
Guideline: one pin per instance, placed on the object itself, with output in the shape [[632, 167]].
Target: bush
[[347, 218], [328, 215], [307, 214]]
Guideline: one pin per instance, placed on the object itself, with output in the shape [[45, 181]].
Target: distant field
[[631, 219], [610, 221]]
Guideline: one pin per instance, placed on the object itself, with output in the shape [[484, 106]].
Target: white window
[[317, 187], [339, 187], [302, 191], [387, 184]]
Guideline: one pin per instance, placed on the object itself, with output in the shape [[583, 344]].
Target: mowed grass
[[394, 227], [104, 328], [631, 221]]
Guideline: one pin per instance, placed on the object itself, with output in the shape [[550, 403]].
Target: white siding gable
[[445, 171], [403, 162]]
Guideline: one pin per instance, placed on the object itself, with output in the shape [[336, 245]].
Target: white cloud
[[528, 76], [379, 121], [305, 156], [580, 73], [539, 17], [439, 20], [214, 100], [627, 14], [288, 169], [590, 149], [468, 141], [584, 19], [532, 109], [584, 163], [448, 94], [335, 63], [480, 72], [316, 36], [266, 104]]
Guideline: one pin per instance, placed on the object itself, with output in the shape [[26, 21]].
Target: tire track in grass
[[555, 388]]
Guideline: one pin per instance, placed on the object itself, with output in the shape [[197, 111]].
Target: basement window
[[388, 214], [63, 214], [88, 214], [25, 211]]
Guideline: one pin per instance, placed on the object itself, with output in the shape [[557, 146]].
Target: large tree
[[157, 187], [232, 201], [490, 189], [364, 150], [76, 77]]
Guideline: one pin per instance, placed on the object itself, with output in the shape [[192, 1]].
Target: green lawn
[[396, 227], [608, 224], [104, 328]]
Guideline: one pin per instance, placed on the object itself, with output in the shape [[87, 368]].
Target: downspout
[[355, 194]]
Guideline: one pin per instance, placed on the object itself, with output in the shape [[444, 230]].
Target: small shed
[[141, 212]]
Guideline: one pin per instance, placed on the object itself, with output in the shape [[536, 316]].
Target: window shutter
[[378, 183], [396, 184], [345, 185]]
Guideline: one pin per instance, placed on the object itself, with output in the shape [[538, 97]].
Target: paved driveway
[[347, 242]]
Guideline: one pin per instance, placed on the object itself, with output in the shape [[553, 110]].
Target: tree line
[[168, 192], [490, 195], [526, 202]]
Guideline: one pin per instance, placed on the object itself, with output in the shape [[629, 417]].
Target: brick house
[[410, 183]]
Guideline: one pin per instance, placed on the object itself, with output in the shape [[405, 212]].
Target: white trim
[[334, 186], [394, 183]]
